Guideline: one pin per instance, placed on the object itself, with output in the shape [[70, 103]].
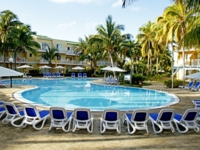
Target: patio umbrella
[[59, 67], [78, 68], [108, 68], [194, 76], [117, 69], [44, 67], [5, 72], [24, 67]]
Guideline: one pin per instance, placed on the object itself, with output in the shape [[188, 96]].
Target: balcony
[[18, 59], [71, 62], [194, 63], [43, 61]]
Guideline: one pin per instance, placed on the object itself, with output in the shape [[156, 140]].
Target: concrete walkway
[[12, 138]]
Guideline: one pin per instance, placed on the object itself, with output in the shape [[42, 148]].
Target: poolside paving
[[12, 138]]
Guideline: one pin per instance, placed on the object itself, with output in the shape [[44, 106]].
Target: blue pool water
[[73, 93]]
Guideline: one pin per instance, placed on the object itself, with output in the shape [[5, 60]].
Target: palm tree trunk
[[157, 64], [111, 59], [15, 57], [4, 59]]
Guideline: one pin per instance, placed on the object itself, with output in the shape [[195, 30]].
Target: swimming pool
[[74, 93]]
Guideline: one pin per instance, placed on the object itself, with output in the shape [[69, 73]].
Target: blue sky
[[73, 19]]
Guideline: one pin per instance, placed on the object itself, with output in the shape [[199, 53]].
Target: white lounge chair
[[187, 120], [60, 118], [137, 120], [13, 114], [82, 119], [32, 117], [3, 84], [110, 120], [163, 120], [2, 109]]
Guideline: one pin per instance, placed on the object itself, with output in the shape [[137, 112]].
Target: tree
[[8, 20], [108, 36], [133, 51], [50, 54], [22, 40], [146, 40]]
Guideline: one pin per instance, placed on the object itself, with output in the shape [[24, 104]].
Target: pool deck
[[12, 138]]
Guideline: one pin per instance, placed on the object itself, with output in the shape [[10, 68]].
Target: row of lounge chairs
[[51, 75], [192, 86], [80, 75], [82, 118], [111, 80]]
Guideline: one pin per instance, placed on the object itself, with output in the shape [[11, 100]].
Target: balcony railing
[[192, 63], [18, 59], [72, 62]]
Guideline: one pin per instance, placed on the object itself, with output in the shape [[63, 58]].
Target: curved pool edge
[[18, 96]]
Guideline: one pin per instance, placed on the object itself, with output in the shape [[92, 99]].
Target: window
[[68, 48], [45, 46], [30, 55], [59, 58], [58, 47]]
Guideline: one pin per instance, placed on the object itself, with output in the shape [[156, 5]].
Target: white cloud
[[68, 1], [135, 8], [63, 26], [118, 3]]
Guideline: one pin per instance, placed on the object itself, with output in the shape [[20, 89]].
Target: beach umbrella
[[59, 67], [78, 68], [24, 67], [194, 76], [117, 69], [5, 72], [108, 68], [44, 67]]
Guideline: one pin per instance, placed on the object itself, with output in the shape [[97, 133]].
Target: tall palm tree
[[50, 54], [91, 51], [108, 36], [22, 40], [146, 40], [181, 22], [8, 20], [133, 51]]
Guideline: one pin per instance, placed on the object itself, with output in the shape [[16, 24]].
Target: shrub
[[176, 83], [138, 77]]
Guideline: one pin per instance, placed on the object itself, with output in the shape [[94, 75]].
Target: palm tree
[[8, 20], [50, 54], [146, 40], [108, 37], [133, 51], [127, 2], [22, 40], [180, 23]]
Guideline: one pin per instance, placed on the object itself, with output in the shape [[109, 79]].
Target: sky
[[73, 19]]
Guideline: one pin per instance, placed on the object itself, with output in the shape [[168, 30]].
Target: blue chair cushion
[[140, 116], [129, 116], [43, 113], [58, 114], [178, 117], [10, 109], [31, 112], [111, 116], [82, 115], [2, 109], [154, 116], [21, 113], [190, 116], [166, 116], [69, 114]]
